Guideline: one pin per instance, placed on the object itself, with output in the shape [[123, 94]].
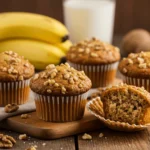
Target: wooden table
[[112, 140]]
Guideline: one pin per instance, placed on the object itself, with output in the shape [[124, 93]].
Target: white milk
[[89, 18]]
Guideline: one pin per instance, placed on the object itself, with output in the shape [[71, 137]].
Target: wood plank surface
[[38, 128], [59, 144], [113, 140]]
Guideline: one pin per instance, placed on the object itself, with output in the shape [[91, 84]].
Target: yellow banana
[[33, 26], [40, 54], [64, 46]]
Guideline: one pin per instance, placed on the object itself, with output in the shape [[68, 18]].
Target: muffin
[[123, 107], [99, 60], [15, 73], [60, 93], [136, 69]]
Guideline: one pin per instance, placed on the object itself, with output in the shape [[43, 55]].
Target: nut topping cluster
[[11, 108], [90, 47], [6, 141], [139, 59], [11, 61], [60, 78]]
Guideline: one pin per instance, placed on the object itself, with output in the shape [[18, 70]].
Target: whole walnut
[[136, 41]]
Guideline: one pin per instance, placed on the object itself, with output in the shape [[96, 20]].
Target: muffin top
[[93, 52], [14, 67], [60, 80], [136, 65]]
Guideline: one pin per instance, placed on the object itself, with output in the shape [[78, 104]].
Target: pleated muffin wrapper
[[60, 108], [137, 82], [95, 106], [100, 75], [14, 92]]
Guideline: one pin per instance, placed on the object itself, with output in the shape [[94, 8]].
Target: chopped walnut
[[6, 141], [11, 108], [130, 61], [80, 85], [66, 76], [36, 76], [94, 55], [75, 78], [67, 65], [23, 137], [10, 70], [140, 60], [56, 85], [80, 50], [53, 75], [49, 91], [143, 66], [20, 78], [101, 135], [63, 90], [125, 70], [26, 64], [71, 81], [50, 66], [86, 137], [24, 116], [49, 82], [31, 148]]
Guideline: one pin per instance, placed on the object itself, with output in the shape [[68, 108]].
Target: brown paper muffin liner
[[14, 92], [96, 108], [100, 75], [137, 82], [60, 108]]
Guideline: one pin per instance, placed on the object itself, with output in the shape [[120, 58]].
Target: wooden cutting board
[[47, 130]]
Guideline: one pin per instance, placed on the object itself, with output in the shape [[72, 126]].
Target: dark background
[[129, 13]]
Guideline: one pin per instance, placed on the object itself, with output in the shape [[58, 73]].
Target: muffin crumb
[[11, 108], [24, 116], [86, 136], [101, 135], [23, 137], [31, 148]]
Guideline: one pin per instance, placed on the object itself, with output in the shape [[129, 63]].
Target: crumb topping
[[14, 67], [61, 79], [93, 51], [136, 64]]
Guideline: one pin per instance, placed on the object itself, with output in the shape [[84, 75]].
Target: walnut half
[[6, 141], [11, 108]]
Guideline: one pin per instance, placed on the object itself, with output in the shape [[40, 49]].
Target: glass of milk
[[89, 18]]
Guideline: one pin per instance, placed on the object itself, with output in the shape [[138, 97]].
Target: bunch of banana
[[40, 39]]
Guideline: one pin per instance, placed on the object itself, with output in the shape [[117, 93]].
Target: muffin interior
[[125, 105]]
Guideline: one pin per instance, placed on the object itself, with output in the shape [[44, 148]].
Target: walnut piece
[[31, 148], [101, 135], [24, 116], [6, 141], [86, 137], [23, 137], [11, 108]]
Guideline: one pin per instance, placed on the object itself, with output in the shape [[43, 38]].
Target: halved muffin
[[126, 103]]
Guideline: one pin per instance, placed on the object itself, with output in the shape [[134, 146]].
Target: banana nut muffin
[[98, 59], [136, 69], [127, 103], [60, 93], [14, 74]]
